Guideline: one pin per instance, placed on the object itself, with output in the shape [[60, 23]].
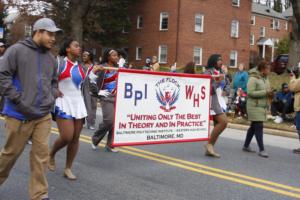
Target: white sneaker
[[278, 120], [110, 149], [94, 147], [29, 142]]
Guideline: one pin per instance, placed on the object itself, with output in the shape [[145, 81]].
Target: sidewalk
[[283, 129]]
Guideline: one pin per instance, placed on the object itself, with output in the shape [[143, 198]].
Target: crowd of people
[[37, 88]]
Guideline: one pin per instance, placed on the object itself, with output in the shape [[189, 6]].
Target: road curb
[[269, 131]]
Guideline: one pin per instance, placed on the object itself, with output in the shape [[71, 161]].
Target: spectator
[[155, 64], [147, 65], [240, 103], [122, 61], [2, 49], [173, 68], [189, 68], [294, 86], [282, 104], [130, 66], [226, 87], [258, 92], [240, 79]]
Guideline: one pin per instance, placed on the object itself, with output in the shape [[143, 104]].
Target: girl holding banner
[[218, 103], [103, 85]]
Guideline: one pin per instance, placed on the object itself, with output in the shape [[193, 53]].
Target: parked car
[[279, 65]]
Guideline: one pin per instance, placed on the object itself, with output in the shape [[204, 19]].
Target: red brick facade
[[181, 38], [274, 34]]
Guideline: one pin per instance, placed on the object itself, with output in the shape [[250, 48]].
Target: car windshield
[[284, 58]]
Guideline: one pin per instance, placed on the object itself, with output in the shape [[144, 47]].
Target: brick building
[[267, 28], [190, 30]]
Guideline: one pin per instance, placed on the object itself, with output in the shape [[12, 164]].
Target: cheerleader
[[103, 85], [70, 109]]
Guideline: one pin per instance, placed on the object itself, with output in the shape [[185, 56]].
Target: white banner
[[155, 108]]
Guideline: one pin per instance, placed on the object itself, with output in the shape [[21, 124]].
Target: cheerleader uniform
[[71, 105]]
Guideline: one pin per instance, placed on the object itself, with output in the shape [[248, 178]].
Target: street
[[168, 172]]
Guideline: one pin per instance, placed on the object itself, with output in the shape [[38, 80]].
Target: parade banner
[[157, 108]]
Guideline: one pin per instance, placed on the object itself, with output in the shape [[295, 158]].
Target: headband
[[111, 51]]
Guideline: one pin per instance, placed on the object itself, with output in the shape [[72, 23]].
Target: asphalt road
[[169, 172]]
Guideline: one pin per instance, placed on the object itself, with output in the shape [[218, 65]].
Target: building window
[[235, 29], [199, 23], [252, 39], [198, 55], [277, 24], [233, 58], [286, 26], [138, 53], [164, 21], [253, 20], [126, 26], [272, 25], [236, 3], [28, 31], [262, 31], [139, 22], [163, 54]]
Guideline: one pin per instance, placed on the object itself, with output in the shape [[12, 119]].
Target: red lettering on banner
[[189, 91], [196, 100], [203, 90]]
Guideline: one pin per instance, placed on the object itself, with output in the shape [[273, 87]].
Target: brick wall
[[216, 38]]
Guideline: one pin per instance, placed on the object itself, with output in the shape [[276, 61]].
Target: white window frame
[[237, 24], [138, 20], [277, 25], [252, 39], [161, 20], [262, 29], [199, 28], [286, 26], [273, 24], [160, 55], [236, 58], [200, 51], [138, 54], [253, 19], [237, 4]]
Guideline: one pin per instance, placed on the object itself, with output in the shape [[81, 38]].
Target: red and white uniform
[[71, 105]]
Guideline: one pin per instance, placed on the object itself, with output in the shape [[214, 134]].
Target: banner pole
[[117, 69]]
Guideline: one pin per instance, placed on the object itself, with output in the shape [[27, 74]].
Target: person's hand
[[219, 78], [97, 68], [59, 94], [292, 75], [270, 93], [104, 93]]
